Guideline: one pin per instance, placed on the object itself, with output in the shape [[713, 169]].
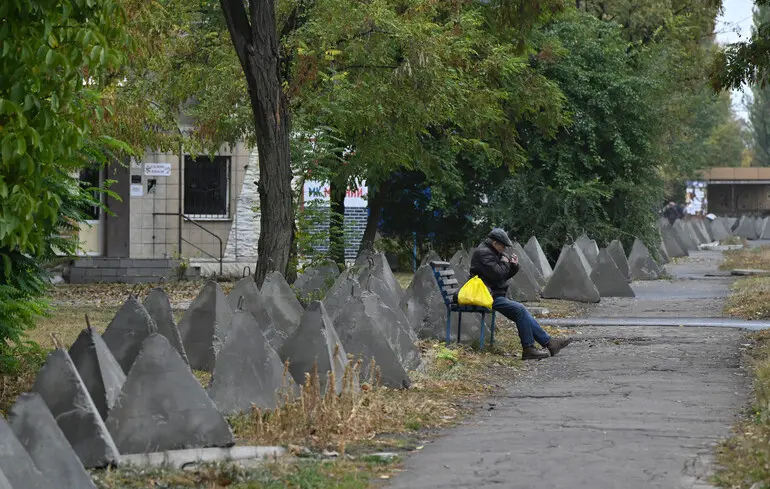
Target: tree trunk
[[373, 220], [256, 42], [337, 191]]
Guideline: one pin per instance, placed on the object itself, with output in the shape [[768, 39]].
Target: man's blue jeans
[[529, 330]]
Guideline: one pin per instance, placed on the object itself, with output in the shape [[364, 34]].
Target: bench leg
[[483, 327], [492, 331], [459, 326], [448, 325]]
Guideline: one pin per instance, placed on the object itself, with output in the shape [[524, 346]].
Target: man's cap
[[500, 236]]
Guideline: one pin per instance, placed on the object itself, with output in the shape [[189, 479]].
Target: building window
[[206, 187], [90, 179]]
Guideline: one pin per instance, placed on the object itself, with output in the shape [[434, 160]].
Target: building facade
[[737, 191]]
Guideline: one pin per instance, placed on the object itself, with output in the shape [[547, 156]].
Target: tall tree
[[759, 109], [745, 62], [55, 58], [256, 41]]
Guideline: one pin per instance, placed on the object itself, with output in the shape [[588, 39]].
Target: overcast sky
[[733, 25]]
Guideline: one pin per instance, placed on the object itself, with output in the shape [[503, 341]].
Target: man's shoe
[[556, 345], [532, 353]]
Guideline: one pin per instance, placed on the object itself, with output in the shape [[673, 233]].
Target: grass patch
[[758, 258], [404, 278], [326, 421], [279, 475], [750, 299], [744, 459]]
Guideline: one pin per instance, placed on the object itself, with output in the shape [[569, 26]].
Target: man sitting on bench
[[494, 267]]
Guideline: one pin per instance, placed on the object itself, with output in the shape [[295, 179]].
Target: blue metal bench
[[450, 287]]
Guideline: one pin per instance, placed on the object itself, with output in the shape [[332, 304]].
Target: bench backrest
[[447, 283]]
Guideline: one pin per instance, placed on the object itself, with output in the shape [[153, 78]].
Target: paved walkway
[[623, 407]]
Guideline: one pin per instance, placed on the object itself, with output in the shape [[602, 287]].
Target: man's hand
[[514, 259]]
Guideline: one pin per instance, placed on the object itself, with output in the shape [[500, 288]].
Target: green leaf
[[21, 146]]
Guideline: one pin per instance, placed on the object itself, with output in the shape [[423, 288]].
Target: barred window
[[206, 187]]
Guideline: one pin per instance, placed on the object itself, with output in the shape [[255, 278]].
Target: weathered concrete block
[[764, 233], [314, 282], [429, 257], [570, 280], [643, 267], [316, 343], [461, 262], [671, 243], [158, 306], [536, 254], [746, 228], [248, 371], [618, 254], [427, 314], [204, 326], [16, 465], [608, 279], [526, 262], [684, 238], [589, 248], [163, 406], [282, 304], [36, 429], [100, 371], [381, 269], [65, 394], [361, 337], [523, 286], [369, 282], [124, 335], [254, 303]]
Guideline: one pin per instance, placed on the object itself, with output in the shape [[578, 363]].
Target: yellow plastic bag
[[475, 293]]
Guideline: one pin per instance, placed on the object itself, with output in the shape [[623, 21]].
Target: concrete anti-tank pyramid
[[394, 327], [703, 229], [163, 407], [370, 283], [461, 261], [282, 304], [360, 337], [570, 280], [381, 269], [618, 254], [720, 230], [523, 286], [65, 394], [425, 309], [4, 482], [765, 233], [158, 305], [746, 228], [664, 258], [16, 465], [314, 282], [250, 298], [315, 342], [429, 257], [608, 279], [346, 286], [671, 244], [684, 238], [526, 262], [536, 254], [589, 248], [101, 373], [205, 325], [248, 370], [643, 267], [36, 429], [130, 326], [562, 254]]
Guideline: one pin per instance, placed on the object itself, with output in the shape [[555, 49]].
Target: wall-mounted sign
[[157, 169], [320, 191], [137, 190]]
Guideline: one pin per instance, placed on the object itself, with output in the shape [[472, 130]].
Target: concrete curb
[[181, 458]]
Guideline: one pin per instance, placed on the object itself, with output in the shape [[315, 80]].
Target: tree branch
[[240, 30]]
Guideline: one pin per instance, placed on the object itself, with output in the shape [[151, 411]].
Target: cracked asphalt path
[[623, 407]]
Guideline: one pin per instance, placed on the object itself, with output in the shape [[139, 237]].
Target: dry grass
[[750, 299], [758, 258], [115, 294], [328, 421], [744, 459]]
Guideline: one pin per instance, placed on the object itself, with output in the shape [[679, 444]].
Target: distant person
[[671, 212], [494, 267]]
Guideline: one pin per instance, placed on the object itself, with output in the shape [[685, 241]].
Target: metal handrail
[[190, 220]]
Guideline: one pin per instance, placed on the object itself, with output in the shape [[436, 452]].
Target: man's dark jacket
[[488, 264]]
